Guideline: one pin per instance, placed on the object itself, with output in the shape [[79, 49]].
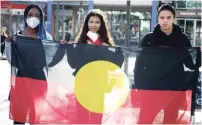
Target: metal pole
[[127, 31], [154, 13], [127, 36], [63, 17], [49, 16], [57, 20]]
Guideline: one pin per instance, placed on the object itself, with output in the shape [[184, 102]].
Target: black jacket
[[158, 38], [159, 66]]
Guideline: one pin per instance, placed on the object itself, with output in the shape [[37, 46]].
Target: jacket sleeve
[[147, 40], [143, 41], [189, 61]]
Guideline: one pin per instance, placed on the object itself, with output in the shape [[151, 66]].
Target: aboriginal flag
[[53, 83]]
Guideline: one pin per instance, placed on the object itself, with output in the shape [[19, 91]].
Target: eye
[[29, 15], [37, 16], [169, 17], [90, 21]]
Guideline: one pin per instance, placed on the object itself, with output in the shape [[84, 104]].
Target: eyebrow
[[94, 21], [164, 16], [30, 13]]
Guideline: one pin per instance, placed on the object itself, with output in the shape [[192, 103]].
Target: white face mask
[[92, 35], [33, 22]]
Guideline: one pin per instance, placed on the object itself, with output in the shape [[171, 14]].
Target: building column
[[10, 25], [73, 22], [90, 5], [127, 30], [53, 22], [57, 19], [49, 16], [154, 14]]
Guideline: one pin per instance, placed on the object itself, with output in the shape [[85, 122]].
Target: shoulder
[[148, 36], [145, 40]]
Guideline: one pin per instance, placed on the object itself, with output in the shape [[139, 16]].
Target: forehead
[[166, 13], [34, 11], [94, 18]]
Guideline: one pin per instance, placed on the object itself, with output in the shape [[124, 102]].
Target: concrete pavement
[[4, 91]]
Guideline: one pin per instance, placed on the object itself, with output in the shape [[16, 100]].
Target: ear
[[175, 21]]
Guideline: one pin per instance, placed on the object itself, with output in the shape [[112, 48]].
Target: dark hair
[[103, 31], [167, 7]]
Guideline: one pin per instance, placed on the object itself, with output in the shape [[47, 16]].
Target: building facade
[[68, 17], [188, 17], [12, 16], [115, 13]]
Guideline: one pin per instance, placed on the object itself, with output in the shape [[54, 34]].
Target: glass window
[[65, 28], [139, 25], [198, 33], [134, 31], [80, 17], [181, 24], [5, 22], [193, 4], [181, 4], [190, 30], [17, 23], [145, 27], [188, 4]]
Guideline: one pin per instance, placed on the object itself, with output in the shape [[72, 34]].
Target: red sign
[[9, 5]]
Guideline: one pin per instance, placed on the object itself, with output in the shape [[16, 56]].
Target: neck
[[31, 31], [167, 31]]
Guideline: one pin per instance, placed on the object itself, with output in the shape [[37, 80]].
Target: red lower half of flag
[[38, 101]]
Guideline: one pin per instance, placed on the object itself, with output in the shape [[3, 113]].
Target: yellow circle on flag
[[101, 86]]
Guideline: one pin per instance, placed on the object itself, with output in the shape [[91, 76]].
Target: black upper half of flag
[[153, 68]]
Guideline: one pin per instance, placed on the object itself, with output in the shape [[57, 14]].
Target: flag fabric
[[88, 84]]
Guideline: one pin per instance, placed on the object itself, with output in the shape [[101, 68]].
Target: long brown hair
[[103, 31]]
